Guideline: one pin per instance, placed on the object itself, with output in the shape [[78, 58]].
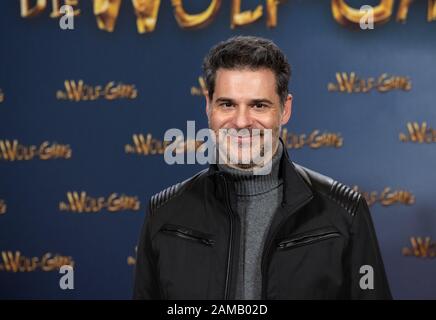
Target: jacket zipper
[[267, 254], [303, 240], [229, 257], [182, 233]]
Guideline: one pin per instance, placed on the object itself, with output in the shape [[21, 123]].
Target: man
[[227, 233]]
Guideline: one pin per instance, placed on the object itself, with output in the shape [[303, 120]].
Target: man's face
[[246, 99]]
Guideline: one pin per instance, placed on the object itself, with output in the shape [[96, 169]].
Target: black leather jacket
[[319, 239]]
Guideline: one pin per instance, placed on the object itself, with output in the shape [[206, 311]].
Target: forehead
[[245, 83]]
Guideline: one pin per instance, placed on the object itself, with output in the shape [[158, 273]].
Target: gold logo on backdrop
[[81, 202], [314, 140], [349, 16], [3, 207], [350, 83], [79, 91], [387, 197], [418, 133], [421, 248], [13, 151], [147, 11], [146, 145], [199, 91], [15, 262], [2, 96], [131, 261]]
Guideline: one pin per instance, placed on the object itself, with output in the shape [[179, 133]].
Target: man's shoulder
[[160, 198], [330, 188]]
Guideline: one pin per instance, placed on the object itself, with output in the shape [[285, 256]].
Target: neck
[[247, 183]]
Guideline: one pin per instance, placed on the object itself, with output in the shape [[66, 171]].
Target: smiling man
[[246, 113], [230, 233]]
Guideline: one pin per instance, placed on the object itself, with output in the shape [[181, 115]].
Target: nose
[[242, 118]]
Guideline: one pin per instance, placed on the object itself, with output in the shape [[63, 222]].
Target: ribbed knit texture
[[258, 197]]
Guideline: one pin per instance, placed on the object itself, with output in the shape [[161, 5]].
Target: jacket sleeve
[[368, 277], [145, 283]]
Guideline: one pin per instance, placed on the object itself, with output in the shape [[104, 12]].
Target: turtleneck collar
[[248, 184]]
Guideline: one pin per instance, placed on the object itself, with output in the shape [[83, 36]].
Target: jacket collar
[[295, 190]]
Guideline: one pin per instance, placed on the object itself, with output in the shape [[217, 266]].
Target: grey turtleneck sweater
[[258, 197]]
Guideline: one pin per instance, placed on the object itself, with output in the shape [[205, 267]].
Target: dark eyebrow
[[256, 101], [223, 99], [253, 101]]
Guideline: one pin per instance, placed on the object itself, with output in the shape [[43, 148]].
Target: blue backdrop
[[37, 56]]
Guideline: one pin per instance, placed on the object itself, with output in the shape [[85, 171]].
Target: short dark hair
[[247, 52]]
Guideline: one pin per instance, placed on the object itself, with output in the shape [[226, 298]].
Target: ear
[[287, 110]]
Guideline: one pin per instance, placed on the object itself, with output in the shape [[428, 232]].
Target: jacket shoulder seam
[[162, 197], [336, 191], [345, 196]]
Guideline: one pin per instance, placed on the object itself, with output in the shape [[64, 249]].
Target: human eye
[[259, 106], [226, 104]]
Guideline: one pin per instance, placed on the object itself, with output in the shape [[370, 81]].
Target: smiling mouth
[[244, 138]]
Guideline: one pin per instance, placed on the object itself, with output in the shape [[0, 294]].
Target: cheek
[[269, 122], [217, 120]]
